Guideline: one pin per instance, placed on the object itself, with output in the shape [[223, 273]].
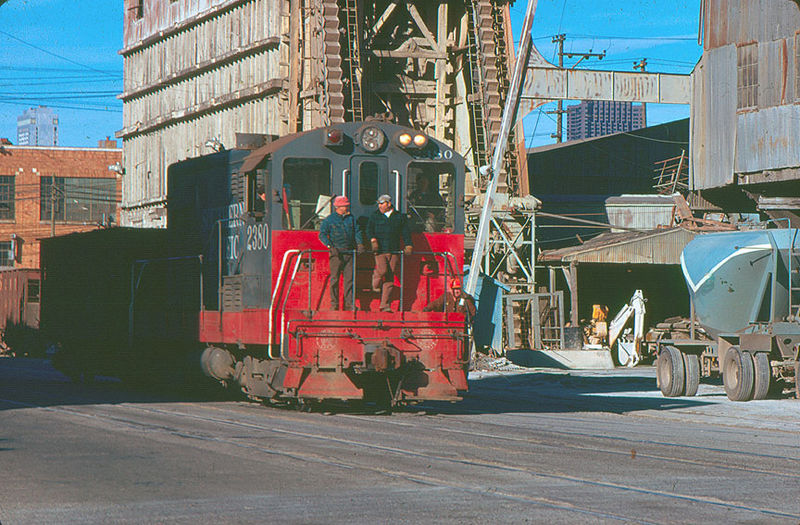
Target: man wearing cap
[[454, 300], [388, 233], [341, 234]]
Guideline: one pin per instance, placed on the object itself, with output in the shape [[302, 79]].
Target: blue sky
[[63, 54]]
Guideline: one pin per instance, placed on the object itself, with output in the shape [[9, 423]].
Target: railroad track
[[487, 451]]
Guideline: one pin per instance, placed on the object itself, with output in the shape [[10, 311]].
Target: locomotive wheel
[[761, 375], [737, 374], [670, 372], [691, 364]]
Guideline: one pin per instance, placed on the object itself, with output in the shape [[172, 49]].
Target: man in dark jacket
[[388, 232], [341, 234]]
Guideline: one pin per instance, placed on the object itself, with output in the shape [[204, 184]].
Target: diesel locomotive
[[244, 280]]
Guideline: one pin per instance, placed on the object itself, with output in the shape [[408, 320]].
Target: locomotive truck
[[242, 252], [745, 293]]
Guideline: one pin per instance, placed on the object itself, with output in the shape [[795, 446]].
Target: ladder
[[794, 278], [353, 59], [480, 145]]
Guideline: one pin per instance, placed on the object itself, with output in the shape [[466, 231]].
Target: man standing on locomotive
[[388, 232], [342, 235]]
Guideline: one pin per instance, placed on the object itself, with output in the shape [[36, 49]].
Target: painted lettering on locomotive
[[267, 317]]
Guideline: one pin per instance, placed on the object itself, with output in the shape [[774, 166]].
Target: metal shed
[[612, 265]]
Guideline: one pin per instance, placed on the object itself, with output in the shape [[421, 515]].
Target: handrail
[[274, 296], [301, 253]]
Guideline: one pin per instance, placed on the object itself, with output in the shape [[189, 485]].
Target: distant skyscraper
[[594, 118], [37, 127]]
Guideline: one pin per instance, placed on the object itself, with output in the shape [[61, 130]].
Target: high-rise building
[[37, 127], [595, 118]]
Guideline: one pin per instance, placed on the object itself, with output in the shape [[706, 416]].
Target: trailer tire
[[670, 372], [761, 375], [691, 364], [737, 374], [797, 378]]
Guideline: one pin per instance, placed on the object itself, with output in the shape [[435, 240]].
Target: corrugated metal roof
[[654, 247]]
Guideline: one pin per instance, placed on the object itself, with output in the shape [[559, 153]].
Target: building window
[[747, 76], [138, 9], [33, 290], [77, 199], [6, 256], [7, 197]]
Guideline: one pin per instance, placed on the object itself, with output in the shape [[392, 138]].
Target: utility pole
[[53, 206], [641, 65], [559, 39]]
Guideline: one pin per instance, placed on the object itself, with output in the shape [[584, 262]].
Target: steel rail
[[383, 449]]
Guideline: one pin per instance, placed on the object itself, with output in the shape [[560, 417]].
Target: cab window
[[367, 183], [431, 196], [306, 193]]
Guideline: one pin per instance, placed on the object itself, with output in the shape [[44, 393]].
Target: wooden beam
[[441, 74], [412, 10], [384, 18]]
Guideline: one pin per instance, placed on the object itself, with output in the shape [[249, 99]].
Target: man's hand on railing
[[408, 249], [360, 248], [334, 251]]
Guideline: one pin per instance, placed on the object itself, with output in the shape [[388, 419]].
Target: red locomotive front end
[[277, 255]]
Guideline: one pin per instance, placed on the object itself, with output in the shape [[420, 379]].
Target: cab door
[[369, 179]]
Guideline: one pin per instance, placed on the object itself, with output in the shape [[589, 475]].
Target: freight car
[[19, 311], [114, 304], [745, 292], [250, 220]]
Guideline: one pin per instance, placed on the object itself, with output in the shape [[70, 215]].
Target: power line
[[90, 68]]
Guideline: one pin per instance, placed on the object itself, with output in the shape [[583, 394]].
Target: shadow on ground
[[33, 382], [548, 392], [28, 382]]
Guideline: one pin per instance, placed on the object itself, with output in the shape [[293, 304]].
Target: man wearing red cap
[[342, 235], [454, 300]]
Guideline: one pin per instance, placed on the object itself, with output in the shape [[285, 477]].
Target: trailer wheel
[[761, 375], [691, 365], [670, 372], [737, 374]]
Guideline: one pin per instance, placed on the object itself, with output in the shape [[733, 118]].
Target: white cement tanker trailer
[[745, 293]]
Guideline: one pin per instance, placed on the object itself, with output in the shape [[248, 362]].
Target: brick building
[[53, 189]]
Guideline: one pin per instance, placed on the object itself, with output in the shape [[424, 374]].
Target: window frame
[[747, 77], [8, 184]]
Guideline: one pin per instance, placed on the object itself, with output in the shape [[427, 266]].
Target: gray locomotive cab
[[363, 160]]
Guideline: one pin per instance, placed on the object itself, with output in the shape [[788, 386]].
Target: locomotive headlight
[[420, 140], [372, 139], [404, 139]]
